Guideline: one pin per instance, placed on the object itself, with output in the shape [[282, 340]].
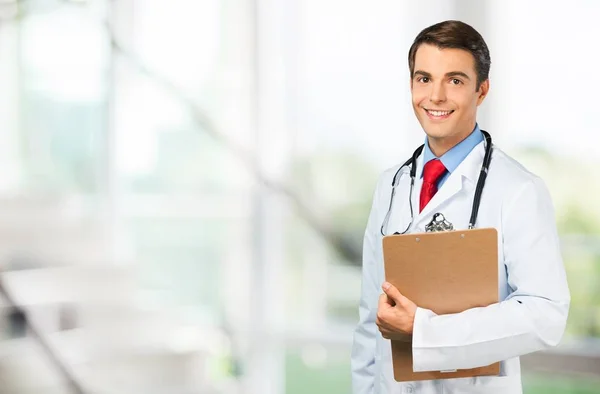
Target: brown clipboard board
[[446, 272]]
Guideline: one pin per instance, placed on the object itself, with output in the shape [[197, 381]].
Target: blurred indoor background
[[184, 184]]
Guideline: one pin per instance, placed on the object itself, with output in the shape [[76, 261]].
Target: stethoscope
[[412, 162]]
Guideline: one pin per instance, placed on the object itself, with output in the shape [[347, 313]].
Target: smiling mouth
[[435, 114], [438, 113]]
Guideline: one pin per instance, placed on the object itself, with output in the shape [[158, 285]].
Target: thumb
[[391, 291]]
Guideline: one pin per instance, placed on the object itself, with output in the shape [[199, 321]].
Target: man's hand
[[395, 314]]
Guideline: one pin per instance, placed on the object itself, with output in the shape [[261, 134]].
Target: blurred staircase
[[56, 263]]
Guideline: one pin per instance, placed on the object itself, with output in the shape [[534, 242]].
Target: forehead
[[435, 60]]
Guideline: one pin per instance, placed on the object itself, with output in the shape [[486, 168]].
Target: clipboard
[[446, 272]]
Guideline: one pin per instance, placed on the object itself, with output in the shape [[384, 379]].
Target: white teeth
[[439, 113]]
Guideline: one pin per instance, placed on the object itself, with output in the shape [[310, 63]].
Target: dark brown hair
[[457, 35]]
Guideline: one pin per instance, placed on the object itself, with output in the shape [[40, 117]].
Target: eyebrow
[[448, 74]]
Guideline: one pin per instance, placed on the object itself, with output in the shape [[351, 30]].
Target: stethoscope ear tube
[[487, 158]]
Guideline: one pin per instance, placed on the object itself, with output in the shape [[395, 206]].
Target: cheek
[[464, 104], [415, 105], [417, 99], [418, 94]]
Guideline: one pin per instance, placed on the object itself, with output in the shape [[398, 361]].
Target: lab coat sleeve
[[531, 318], [365, 334]]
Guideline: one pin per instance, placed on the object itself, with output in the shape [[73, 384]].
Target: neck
[[439, 146]]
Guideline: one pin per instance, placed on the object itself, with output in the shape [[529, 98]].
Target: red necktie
[[432, 172]]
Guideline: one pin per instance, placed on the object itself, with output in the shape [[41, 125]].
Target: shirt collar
[[457, 154]]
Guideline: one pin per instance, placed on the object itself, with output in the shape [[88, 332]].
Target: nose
[[438, 93]]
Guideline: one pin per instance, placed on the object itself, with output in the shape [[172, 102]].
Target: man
[[449, 64]]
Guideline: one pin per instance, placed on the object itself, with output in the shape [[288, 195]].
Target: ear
[[483, 91]]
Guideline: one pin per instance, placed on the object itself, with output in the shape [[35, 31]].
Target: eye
[[423, 79], [456, 81]]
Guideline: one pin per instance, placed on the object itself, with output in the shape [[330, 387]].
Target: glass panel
[[64, 59]]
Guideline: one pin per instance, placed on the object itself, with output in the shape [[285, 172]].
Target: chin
[[437, 131]]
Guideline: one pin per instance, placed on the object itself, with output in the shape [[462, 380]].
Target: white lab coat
[[532, 282]]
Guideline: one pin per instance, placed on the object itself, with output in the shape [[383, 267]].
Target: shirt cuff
[[419, 342]]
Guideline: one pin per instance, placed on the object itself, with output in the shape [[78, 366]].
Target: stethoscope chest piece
[[438, 223]]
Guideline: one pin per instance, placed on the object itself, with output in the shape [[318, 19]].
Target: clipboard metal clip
[[438, 223]]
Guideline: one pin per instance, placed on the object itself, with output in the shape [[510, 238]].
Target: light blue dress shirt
[[454, 156]]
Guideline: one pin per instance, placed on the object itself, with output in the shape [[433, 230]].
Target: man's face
[[444, 94]]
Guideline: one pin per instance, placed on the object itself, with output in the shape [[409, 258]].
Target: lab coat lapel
[[466, 173], [452, 186]]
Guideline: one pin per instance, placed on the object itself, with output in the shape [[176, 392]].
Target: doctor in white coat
[[449, 64]]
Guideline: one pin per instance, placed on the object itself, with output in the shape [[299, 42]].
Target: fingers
[[380, 320], [389, 315], [384, 309], [387, 334], [382, 299], [383, 316], [395, 335], [385, 302]]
